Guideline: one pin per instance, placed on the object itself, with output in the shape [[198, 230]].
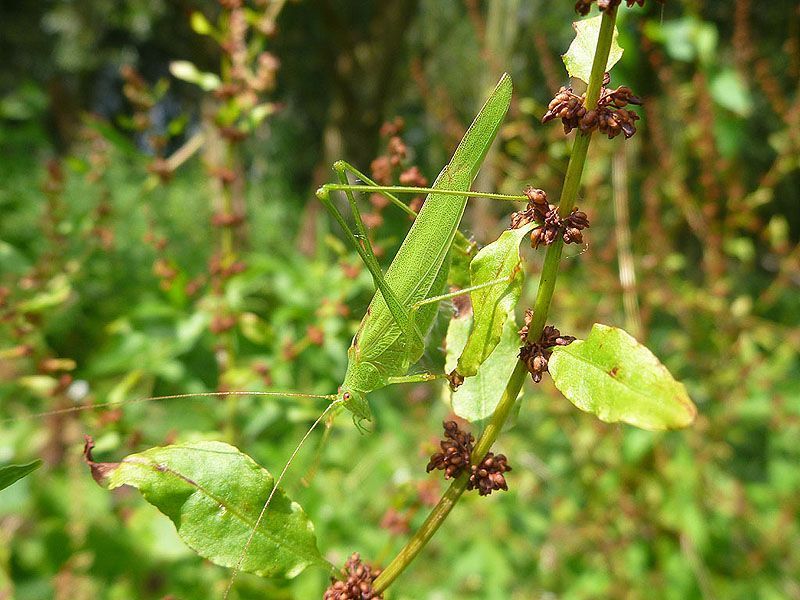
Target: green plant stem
[[544, 296]]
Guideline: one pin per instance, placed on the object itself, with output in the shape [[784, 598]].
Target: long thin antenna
[[243, 555], [74, 409]]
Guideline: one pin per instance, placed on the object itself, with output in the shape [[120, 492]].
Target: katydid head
[[356, 403]]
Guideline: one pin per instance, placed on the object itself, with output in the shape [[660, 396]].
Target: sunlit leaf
[[476, 399], [615, 377], [13, 473], [580, 55], [200, 24], [261, 112], [213, 494], [729, 90], [491, 305]]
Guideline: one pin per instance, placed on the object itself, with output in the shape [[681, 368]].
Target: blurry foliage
[[595, 510]]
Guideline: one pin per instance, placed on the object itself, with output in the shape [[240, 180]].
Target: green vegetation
[[160, 236]]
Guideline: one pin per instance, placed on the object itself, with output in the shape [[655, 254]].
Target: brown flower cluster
[[536, 354], [488, 476], [138, 93], [357, 586], [250, 76], [142, 98], [456, 450], [582, 7], [550, 223], [610, 116], [573, 224], [455, 458], [390, 167]]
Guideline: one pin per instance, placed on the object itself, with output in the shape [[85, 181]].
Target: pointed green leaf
[[476, 399], [200, 24], [618, 379], [213, 493], [13, 473], [491, 305], [580, 54]]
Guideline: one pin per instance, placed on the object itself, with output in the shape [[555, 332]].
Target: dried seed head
[[488, 475], [582, 7], [413, 177], [608, 117], [456, 379], [392, 128], [455, 454], [535, 211], [523, 332], [395, 522], [357, 586], [381, 169], [549, 228], [536, 354], [535, 195], [576, 221], [397, 148]]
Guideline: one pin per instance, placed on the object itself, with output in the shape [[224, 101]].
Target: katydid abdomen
[[381, 348]]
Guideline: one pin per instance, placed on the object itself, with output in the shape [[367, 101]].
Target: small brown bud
[[488, 475], [455, 451], [381, 169], [357, 586], [315, 335]]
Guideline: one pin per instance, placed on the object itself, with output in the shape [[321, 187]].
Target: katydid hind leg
[[341, 173], [398, 312], [382, 190]]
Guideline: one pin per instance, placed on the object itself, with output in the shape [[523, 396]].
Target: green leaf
[[186, 71], [213, 493], [686, 39], [461, 254], [492, 305], [261, 112], [730, 91], [476, 399], [56, 293], [580, 54], [13, 473], [200, 24], [618, 379]]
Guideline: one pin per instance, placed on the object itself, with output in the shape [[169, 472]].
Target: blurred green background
[[119, 279]]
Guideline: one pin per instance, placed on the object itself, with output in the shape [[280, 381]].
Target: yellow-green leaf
[[491, 305], [476, 399], [580, 55], [618, 379]]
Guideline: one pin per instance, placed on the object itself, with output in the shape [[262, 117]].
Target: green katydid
[[391, 335]]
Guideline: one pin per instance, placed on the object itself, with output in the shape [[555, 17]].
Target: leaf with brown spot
[[618, 379]]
